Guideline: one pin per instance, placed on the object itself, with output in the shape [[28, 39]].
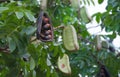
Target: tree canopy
[[23, 55]]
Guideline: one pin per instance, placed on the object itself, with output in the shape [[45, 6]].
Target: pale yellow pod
[[70, 39], [98, 42], [75, 4], [84, 15], [64, 64]]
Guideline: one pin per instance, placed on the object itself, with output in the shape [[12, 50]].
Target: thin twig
[[58, 27], [99, 62], [93, 43], [33, 38]]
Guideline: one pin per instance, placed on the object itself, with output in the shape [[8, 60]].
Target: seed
[[47, 32], [46, 26], [45, 19], [48, 37]]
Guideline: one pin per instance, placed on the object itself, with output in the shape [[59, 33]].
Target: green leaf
[[48, 73], [19, 14], [34, 73], [56, 50], [25, 72], [32, 63], [12, 44], [30, 30], [112, 36], [100, 1], [82, 63], [98, 17], [30, 16], [3, 9], [55, 74]]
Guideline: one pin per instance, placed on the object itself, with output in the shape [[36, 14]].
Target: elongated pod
[[98, 41], [75, 4], [84, 15], [70, 38], [64, 65]]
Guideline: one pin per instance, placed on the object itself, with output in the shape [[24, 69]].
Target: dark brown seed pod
[[44, 28], [103, 72]]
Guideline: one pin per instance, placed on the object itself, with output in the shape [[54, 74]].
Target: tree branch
[[43, 4], [99, 62], [58, 27], [93, 43]]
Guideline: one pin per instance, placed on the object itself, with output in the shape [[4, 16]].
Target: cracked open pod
[[64, 65], [44, 27]]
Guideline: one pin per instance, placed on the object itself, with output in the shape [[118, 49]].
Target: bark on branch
[[43, 4]]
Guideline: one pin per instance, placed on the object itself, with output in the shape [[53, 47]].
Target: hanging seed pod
[[84, 15], [75, 4], [98, 44], [44, 28], [70, 38], [103, 72], [105, 44], [64, 65]]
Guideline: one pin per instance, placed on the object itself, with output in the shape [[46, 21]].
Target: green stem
[[13, 31]]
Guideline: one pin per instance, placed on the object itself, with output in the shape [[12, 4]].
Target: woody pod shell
[[40, 29]]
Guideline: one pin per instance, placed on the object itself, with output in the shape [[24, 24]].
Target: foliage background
[[22, 57]]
